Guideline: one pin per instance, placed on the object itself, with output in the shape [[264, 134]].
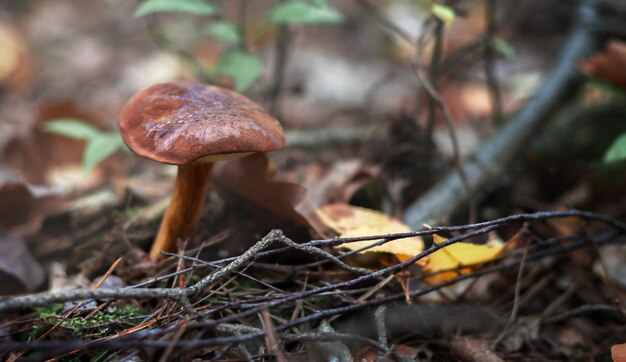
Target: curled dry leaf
[[19, 271], [249, 179], [618, 352], [351, 221], [458, 255], [21, 203], [609, 65], [334, 183]]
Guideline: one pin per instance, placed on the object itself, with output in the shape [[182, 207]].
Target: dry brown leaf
[[19, 271], [247, 179], [336, 183], [618, 352], [368, 354], [470, 349], [609, 65], [351, 221], [21, 203]]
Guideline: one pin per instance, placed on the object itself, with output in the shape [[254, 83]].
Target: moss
[[102, 323]]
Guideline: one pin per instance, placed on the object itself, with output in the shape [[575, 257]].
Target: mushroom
[[193, 125]]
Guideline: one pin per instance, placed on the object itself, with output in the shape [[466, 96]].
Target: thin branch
[[136, 339], [283, 41], [516, 298], [584, 309], [433, 72], [490, 62], [177, 294], [435, 98], [495, 157], [381, 331]]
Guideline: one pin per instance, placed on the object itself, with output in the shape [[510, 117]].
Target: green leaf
[[99, 148], [503, 47], [243, 68], [617, 151], [443, 13], [72, 128], [197, 7], [224, 31], [296, 12]]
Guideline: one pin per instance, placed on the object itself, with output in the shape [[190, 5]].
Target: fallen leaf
[[335, 183], [352, 221], [21, 203], [248, 179], [19, 271], [608, 65], [369, 354], [471, 349], [618, 352], [43, 158], [458, 255], [612, 263]]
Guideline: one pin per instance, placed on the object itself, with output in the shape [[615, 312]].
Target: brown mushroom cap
[[181, 122]]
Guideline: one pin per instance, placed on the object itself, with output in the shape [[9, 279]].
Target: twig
[[447, 115], [517, 218], [582, 310], [518, 283], [283, 41], [312, 337], [435, 97], [498, 153], [434, 68], [516, 298], [175, 338], [490, 60], [381, 331], [214, 265], [313, 250], [135, 340], [178, 294]]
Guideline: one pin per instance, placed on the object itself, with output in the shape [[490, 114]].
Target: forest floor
[[469, 169]]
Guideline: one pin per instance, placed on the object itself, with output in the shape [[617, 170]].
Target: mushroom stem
[[183, 213]]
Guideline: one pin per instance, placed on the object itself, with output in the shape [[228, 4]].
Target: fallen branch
[[246, 334], [180, 295], [484, 169]]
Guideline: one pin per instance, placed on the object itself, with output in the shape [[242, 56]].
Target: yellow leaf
[[443, 13], [351, 221], [458, 255]]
